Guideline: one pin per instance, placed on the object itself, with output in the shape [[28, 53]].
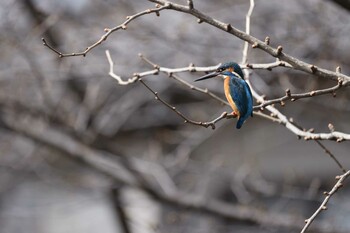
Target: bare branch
[[247, 30], [266, 66], [328, 152], [294, 97], [323, 206], [187, 120], [275, 52], [116, 77], [108, 31]]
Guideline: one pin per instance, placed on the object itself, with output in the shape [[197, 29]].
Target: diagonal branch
[[186, 119], [328, 152], [323, 205], [108, 32], [256, 43]]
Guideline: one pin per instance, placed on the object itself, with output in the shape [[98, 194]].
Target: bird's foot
[[232, 115]]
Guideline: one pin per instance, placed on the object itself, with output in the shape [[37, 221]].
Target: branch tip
[[340, 139]]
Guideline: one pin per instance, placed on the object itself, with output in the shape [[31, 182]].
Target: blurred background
[[67, 129]]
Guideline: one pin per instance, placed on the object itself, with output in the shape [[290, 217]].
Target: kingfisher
[[237, 91]]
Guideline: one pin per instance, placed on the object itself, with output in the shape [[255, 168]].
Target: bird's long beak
[[211, 75]]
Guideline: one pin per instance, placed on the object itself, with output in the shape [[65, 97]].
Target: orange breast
[[229, 97]]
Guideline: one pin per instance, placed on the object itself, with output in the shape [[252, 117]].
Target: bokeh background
[[45, 189]]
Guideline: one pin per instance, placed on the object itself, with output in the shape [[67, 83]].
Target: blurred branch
[[343, 3], [119, 209], [40, 17], [46, 134], [323, 205]]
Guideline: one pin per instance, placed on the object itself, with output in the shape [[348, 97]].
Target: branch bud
[[288, 93], [267, 40], [279, 50], [338, 69], [331, 127], [313, 69]]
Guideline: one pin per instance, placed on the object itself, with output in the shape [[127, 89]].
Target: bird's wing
[[242, 96]]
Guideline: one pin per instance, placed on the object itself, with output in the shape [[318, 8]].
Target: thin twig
[[331, 155], [186, 119], [294, 97], [323, 205], [108, 31], [117, 77]]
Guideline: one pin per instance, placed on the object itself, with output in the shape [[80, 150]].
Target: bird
[[237, 91]]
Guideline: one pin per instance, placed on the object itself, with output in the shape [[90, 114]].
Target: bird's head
[[227, 68]]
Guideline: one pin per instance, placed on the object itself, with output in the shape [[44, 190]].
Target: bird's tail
[[240, 123]]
